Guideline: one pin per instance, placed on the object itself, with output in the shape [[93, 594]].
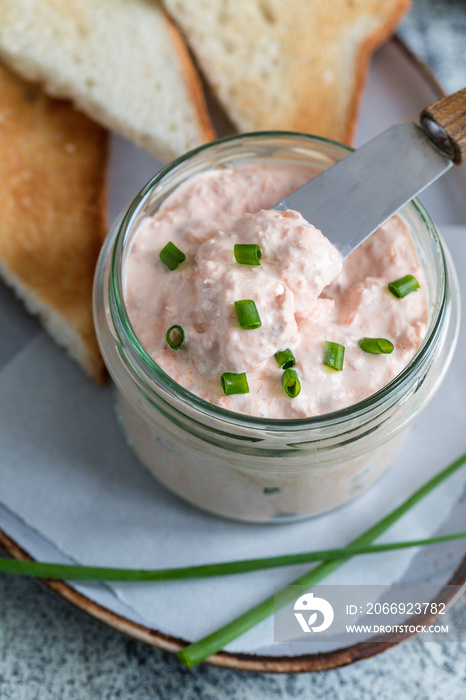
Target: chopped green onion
[[171, 256], [212, 643], [269, 490], [334, 355], [233, 383], [291, 383], [405, 285], [176, 337], [248, 315], [376, 346], [285, 359], [247, 253]]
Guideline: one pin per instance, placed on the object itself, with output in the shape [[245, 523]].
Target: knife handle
[[445, 123]]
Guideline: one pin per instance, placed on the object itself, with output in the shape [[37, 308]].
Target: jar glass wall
[[254, 469]]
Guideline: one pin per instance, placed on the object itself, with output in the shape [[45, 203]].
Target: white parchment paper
[[67, 472]]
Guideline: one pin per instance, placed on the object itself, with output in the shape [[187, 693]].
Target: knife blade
[[351, 199]]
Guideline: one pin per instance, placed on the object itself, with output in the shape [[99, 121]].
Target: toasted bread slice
[[122, 62], [297, 65], [52, 212]]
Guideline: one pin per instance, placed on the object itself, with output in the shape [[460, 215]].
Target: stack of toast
[[138, 68]]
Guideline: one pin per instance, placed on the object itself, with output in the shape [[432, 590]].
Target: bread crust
[[365, 52], [52, 212], [192, 80]]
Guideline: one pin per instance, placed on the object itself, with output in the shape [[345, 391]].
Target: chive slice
[[248, 315], [285, 358], [376, 346], [233, 383], [171, 256], [247, 253], [291, 383], [405, 285], [198, 651], [334, 354], [176, 337]]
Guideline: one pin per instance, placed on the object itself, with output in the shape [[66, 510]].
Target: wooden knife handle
[[445, 123]]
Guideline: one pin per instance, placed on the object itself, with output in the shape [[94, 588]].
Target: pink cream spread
[[303, 292]]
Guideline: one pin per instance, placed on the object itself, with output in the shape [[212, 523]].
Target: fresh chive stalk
[[334, 355], [291, 383], [233, 383], [248, 315], [76, 572], [405, 285], [212, 643], [176, 337], [376, 346], [247, 253], [285, 359], [171, 256]]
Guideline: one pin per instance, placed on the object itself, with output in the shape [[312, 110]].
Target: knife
[[352, 198]]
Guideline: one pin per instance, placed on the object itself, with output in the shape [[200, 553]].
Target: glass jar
[[255, 469]]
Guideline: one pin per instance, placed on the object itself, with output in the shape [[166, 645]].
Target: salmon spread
[[253, 309]]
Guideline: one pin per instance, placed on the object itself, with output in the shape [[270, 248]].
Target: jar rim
[[150, 373]]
